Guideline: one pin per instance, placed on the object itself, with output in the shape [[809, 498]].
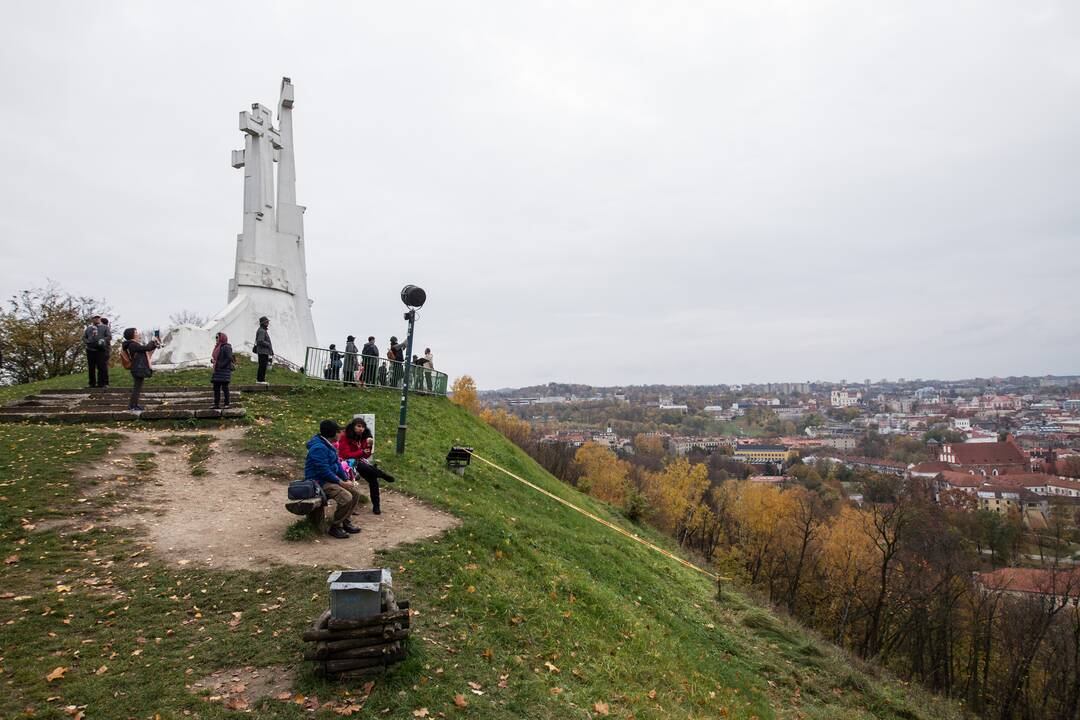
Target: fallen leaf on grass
[[348, 709], [11, 559], [475, 685], [422, 712], [56, 674], [472, 588], [487, 654], [101, 670], [460, 701], [555, 691], [516, 620], [552, 668], [601, 708], [237, 703], [236, 619]]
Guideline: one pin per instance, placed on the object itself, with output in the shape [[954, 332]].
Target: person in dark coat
[[350, 361], [263, 347], [139, 357], [223, 362], [104, 334], [370, 358], [93, 352], [396, 353], [333, 368]]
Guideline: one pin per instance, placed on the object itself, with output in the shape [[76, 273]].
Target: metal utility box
[[357, 594]]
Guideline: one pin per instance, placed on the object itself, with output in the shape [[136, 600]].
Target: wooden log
[[319, 519], [371, 651], [376, 631], [362, 671], [380, 619], [332, 666], [387, 636]]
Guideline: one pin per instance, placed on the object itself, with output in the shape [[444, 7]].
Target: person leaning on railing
[[349, 377], [370, 360]]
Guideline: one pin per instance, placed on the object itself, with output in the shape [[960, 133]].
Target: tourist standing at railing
[[350, 361], [397, 367], [370, 359], [263, 347], [429, 365], [333, 368]]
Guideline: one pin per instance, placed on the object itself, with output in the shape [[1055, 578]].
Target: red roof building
[[993, 458], [1061, 585]]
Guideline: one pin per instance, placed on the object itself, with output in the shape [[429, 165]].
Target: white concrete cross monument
[[270, 275]]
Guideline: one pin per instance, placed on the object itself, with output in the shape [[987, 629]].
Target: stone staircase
[[110, 404]]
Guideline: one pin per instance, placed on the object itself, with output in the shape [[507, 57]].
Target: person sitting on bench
[[322, 465], [356, 444]]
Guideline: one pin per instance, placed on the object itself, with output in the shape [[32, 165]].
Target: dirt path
[[234, 517]]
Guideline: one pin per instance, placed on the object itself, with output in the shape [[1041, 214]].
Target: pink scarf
[[221, 340]]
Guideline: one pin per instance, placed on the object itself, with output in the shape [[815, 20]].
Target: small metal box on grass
[[356, 594]]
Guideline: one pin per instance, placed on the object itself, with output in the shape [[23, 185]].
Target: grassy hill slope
[[545, 611]]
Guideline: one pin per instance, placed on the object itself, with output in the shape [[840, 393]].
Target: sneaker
[[390, 478], [376, 511], [350, 528], [337, 532], [216, 407]]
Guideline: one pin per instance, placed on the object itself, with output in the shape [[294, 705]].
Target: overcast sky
[[603, 193]]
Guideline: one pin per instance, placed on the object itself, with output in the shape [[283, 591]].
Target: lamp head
[[414, 297]]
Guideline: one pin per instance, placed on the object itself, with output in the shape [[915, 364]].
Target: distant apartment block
[[761, 454]]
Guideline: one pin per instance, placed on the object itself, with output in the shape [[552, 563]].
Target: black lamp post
[[414, 299]]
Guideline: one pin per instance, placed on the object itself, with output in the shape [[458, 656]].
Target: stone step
[[161, 389], [122, 415]]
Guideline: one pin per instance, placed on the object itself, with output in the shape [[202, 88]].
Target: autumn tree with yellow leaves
[[463, 393]]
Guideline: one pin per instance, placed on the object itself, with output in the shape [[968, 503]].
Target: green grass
[[301, 531], [199, 449], [522, 586]]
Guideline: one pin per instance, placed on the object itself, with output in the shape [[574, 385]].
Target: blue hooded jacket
[[322, 464]]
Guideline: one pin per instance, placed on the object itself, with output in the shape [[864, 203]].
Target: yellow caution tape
[[604, 522]]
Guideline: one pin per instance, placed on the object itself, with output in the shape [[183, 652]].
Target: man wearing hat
[[322, 465], [397, 354]]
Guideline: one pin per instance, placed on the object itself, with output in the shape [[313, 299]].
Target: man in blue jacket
[[322, 465]]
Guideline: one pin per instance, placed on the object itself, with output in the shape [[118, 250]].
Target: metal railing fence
[[354, 369]]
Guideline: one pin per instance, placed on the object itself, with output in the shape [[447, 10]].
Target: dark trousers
[[136, 390], [103, 368], [370, 366], [372, 474], [219, 387], [93, 365], [264, 360], [396, 373]]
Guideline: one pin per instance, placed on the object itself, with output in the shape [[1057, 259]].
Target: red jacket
[[354, 450]]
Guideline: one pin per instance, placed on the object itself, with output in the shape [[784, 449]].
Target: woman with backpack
[[356, 445], [223, 363], [135, 356]]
